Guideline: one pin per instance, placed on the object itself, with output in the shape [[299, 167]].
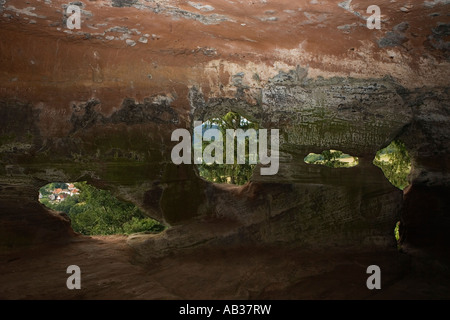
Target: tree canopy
[[332, 159], [395, 162], [228, 173], [98, 212]]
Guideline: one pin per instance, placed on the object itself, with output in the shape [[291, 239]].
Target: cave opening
[[94, 211], [395, 162], [241, 169], [332, 159]]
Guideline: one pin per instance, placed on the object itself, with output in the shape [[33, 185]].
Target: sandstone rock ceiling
[[125, 41], [100, 103]]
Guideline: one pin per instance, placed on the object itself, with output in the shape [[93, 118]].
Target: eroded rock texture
[[100, 104]]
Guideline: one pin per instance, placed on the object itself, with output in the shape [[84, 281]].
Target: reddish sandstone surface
[[109, 271], [185, 46]]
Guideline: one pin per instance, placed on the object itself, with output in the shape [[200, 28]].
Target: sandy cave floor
[[110, 271]]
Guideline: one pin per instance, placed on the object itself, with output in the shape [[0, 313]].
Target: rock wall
[[100, 104]]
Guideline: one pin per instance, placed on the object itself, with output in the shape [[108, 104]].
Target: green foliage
[[98, 212], [142, 225], [397, 235], [395, 162], [332, 159], [45, 202], [65, 205], [397, 231], [229, 173], [313, 158]]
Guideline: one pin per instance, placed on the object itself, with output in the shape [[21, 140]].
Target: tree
[[395, 162], [228, 173], [331, 158]]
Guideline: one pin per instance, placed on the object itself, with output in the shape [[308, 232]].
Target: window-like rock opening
[[96, 212], [395, 162], [237, 167], [332, 159]]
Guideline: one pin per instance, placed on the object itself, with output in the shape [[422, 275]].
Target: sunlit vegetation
[[332, 159], [397, 231], [228, 173], [96, 212], [395, 162], [397, 235]]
